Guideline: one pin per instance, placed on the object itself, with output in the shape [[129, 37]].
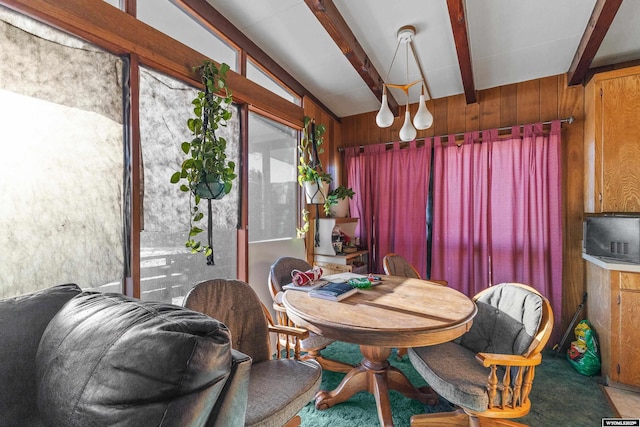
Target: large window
[[65, 163], [273, 185], [61, 160], [115, 3], [258, 75], [168, 270]]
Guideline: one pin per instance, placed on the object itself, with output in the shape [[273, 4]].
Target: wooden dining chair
[[488, 374], [278, 387], [311, 347], [397, 265]]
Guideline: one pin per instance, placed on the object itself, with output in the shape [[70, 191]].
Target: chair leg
[[497, 422], [457, 418], [294, 422]]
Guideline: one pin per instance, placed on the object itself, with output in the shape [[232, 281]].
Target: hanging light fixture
[[423, 118]]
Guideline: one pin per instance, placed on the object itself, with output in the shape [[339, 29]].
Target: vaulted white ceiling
[[509, 42]]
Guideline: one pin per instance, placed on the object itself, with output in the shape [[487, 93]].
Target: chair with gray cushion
[[278, 388], [488, 372], [280, 275]]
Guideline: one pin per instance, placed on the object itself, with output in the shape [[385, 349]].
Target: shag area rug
[[560, 396]]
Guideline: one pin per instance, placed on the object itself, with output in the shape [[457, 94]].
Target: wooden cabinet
[[626, 343], [612, 141], [612, 184], [613, 308], [357, 262]]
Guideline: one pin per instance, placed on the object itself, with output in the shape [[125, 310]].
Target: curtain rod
[[565, 120]]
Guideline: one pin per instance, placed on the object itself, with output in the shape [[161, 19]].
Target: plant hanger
[[207, 171]]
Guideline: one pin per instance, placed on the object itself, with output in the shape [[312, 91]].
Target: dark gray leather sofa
[[69, 358]]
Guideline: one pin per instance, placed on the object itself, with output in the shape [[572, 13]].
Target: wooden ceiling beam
[[601, 18], [461, 38], [215, 21], [330, 18]]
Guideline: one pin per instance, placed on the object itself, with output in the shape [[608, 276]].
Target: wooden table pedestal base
[[375, 375]]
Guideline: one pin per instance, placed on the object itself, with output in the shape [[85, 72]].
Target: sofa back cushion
[[507, 320], [22, 321], [107, 359]]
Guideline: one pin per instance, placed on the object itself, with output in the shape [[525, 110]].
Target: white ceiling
[[510, 41]]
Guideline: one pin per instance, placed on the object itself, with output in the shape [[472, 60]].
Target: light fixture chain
[[406, 51], [392, 61]]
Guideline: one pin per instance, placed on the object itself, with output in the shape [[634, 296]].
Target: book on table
[[334, 291]]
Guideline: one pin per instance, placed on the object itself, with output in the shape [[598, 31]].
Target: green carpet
[[560, 396]]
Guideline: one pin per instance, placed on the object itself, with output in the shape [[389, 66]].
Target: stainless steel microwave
[[614, 236]]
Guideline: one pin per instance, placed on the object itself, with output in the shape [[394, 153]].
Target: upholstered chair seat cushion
[[295, 383], [106, 359], [453, 371]]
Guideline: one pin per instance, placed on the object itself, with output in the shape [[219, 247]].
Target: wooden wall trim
[[137, 196]]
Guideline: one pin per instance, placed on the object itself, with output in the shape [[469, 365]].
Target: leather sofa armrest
[[231, 407]]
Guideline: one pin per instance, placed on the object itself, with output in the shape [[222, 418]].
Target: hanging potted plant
[[311, 177], [206, 173], [338, 201]]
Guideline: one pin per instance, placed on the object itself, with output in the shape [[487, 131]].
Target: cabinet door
[[620, 130], [629, 338]]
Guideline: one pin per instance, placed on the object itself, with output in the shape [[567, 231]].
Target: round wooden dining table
[[400, 312]]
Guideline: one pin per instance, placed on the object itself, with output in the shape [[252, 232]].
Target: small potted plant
[[206, 173], [337, 203]]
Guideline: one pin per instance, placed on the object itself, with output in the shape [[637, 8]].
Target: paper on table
[[344, 277], [306, 288]]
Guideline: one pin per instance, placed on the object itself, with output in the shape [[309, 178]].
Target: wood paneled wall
[[527, 102], [331, 161]]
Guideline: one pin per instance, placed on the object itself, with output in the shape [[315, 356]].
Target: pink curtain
[[460, 244], [391, 187], [526, 211], [497, 212]]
